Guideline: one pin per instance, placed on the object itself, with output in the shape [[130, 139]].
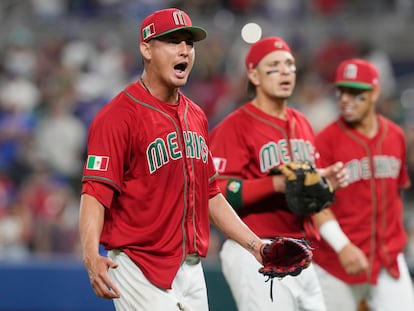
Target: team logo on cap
[[351, 71], [148, 31], [278, 44], [179, 19]]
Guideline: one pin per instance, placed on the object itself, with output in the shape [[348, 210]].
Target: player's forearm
[[250, 190], [323, 216], [330, 230], [224, 218], [91, 218]]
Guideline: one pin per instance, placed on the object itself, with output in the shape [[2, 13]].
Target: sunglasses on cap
[[356, 94]]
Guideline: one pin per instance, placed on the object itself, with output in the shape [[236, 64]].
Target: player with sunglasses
[[262, 134], [360, 256]]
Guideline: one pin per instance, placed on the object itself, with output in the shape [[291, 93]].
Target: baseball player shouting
[[263, 134], [148, 187], [361, 254]]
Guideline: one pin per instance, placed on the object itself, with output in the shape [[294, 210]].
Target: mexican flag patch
[[220, 164], [97, 163]]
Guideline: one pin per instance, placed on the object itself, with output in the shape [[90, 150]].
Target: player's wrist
[[333, 235], [279, 183], [261, 252]]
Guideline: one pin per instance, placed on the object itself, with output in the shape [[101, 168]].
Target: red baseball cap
[[357, 73], [261, 48], [166, 21]]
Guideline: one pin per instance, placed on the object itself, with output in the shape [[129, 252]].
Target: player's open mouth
[[285, 85], [180, 67]]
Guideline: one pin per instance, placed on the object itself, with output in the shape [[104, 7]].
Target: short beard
[[352, 123]]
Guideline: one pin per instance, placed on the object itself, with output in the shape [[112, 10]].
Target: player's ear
[[376, 93], [253, 76], [145, 49]]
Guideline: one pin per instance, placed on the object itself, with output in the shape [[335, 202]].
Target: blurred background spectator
[[61, 60]]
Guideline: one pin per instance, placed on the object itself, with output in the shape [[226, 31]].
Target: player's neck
[[271, 107], [369, 126], [171, 96]]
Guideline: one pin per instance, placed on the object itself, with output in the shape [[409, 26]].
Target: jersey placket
[[382, 200], [189, 192]]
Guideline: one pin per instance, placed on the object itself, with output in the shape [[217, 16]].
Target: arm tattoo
[[251, 246]]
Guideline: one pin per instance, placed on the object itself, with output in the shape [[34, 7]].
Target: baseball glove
[[284, 256], [307, 192]]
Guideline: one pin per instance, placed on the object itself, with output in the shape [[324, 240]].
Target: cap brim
[[354, 85], [197, 32]]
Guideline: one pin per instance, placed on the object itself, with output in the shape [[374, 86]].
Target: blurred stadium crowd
[[62, 60]]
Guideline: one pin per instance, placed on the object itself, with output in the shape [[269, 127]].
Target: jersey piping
[[105, 180]]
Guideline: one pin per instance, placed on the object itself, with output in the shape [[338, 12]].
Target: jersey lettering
[[157, 155], [160, 151], [204, 149], [301, 149], [284, 150], [384, 167], [173, 147], [268, 156], [192, 145], [387, 167], [366, 174], [273, 154]]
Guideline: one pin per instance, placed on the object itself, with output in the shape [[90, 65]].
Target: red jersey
[[245, 145], [370, 209], [155, 157]]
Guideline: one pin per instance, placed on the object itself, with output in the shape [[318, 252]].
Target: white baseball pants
[[188, 291], [388, 294]]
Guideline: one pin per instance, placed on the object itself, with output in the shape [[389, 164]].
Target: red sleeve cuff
[[102, 192], [252, 191], [257, 189]]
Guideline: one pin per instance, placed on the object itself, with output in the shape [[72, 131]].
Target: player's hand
[[279, 183], [97, 268], [337, 175], [353, 260]]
